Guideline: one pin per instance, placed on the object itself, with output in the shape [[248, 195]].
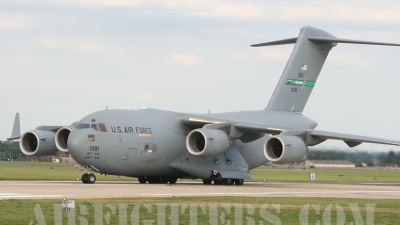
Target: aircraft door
[[241, 151], [130, 158], [103, 157]]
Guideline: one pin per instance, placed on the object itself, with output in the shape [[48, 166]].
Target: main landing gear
[[218, 180], [224, 181], [157, 180], [88, 178]]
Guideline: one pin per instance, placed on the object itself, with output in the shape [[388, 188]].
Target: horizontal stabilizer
[[323, 40], [280, 42], [339, 40]]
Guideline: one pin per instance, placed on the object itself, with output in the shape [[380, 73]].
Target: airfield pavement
[[108, 189]]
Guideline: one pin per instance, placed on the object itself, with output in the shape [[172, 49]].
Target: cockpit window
[[99, 127], [102, 127], [84, 126], [94, 126]]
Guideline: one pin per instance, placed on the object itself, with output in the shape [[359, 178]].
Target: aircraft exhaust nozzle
[[62, 138]]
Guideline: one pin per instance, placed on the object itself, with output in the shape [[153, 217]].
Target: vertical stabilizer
[[301, 71], [305, 63], [16, 132]]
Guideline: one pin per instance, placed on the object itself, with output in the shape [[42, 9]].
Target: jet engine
[[284, 149], [62, 138], [38, 143], [207, 142]]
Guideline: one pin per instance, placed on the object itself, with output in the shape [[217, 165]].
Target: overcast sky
[[61, 60]]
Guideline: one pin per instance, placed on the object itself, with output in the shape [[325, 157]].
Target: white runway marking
[[273, 193], [23, 195]]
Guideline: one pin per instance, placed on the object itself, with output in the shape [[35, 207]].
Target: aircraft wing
[[312, 136], [350, 139], [260, 128]]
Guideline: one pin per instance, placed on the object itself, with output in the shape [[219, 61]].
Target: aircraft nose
[[76, 143]]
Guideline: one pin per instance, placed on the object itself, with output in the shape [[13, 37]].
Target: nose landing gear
[[88, 178]]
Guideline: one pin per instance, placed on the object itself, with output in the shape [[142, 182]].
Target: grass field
[[65, 171], [47, 171], [210, 210]]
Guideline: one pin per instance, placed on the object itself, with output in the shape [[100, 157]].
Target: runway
[[76, 189]]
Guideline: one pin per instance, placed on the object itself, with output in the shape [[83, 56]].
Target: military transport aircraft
[[158, 146]]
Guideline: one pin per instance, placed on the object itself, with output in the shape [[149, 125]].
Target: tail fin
[[16, 132], [305, 63]]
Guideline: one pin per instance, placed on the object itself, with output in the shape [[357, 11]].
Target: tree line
[[9, 150], [369, 158]]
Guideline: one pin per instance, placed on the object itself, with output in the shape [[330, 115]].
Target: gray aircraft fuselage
[[145, 142]]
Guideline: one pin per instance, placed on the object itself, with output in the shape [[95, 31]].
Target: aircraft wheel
[[142, 180], [217, 182], [239, 181], [227, 181], [84, 178], [172, 180], [207, 181], [91, 178], [154, 180], [164, 180]]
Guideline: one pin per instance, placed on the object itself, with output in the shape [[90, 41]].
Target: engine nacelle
[[62, 138], [38, 143], [207, 142], [284, 149]]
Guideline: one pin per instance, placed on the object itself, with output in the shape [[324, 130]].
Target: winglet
[[16, 132]]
